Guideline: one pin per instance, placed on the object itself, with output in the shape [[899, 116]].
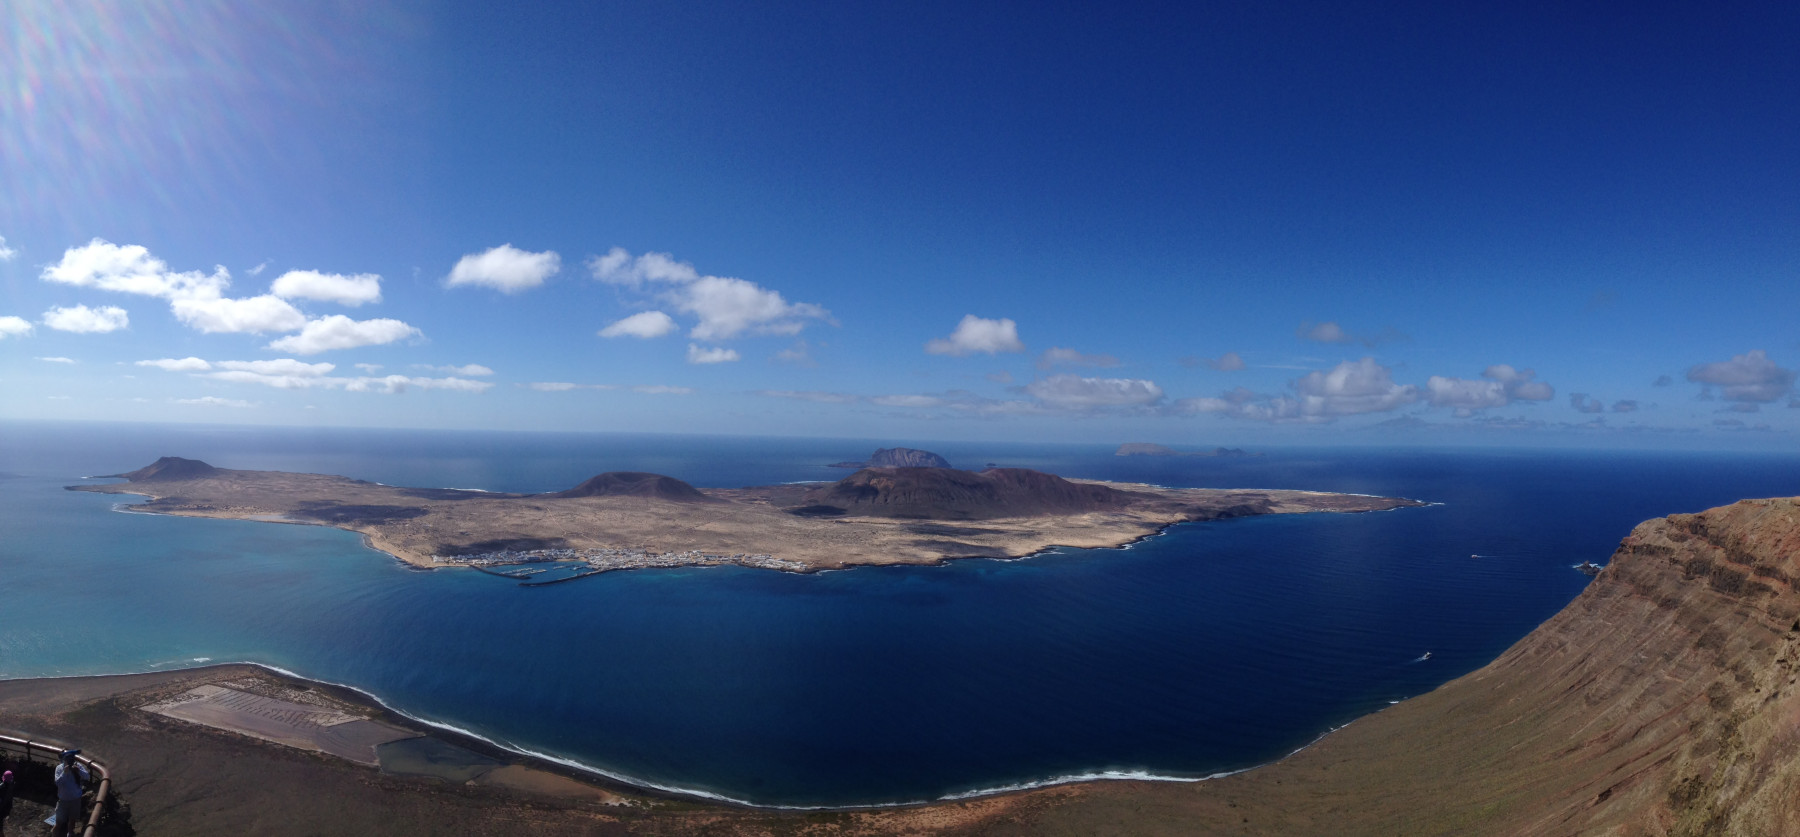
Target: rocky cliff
[[1665, 699]]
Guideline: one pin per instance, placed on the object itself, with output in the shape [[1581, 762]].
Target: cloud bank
[[14, 327], [1750, 378], [352, 291], [725, 307], [1350, 388], [80, 319], [340, 332]]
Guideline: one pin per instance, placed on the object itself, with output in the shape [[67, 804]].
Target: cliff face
[[1676, 676], [1665, 699]]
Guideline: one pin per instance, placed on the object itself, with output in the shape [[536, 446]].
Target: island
[[634, 520], [897, 458], [1153, 449]]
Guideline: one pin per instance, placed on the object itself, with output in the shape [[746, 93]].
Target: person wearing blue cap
[[70, 776]]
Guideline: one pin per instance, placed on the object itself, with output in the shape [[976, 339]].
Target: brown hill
[[637, 484], [949, 494], [170, 469]]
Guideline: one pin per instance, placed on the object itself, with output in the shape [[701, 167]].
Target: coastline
[[611, 781]]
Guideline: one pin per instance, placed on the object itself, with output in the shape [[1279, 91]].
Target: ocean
[[1211, 648]]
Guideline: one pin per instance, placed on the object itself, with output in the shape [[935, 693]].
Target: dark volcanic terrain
[[946, 494]]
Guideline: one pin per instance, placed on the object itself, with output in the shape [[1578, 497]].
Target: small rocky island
[[898, 458], [1152, 449], [630, 520]]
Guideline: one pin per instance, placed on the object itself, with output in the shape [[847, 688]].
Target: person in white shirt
[[68, 794]]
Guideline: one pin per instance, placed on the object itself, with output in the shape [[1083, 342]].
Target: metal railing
[[54, 751]]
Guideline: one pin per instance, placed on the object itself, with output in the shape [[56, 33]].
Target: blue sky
[[1445, 224]]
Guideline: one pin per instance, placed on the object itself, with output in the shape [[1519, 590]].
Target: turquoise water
[[1211, 648]]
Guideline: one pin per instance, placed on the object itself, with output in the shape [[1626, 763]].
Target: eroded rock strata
[[1665, 699]]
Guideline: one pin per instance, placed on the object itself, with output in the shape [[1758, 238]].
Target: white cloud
[[976, 334], [281, 366], [811, 395], [328, 287], [369, 368], [916, 401], [646, 325], [340, 332], [1747, 378], [257, 270], [6, 253], [288, 373], [799, 354], [131, 269], [505, 268], [1331, 332], [214, 401], [254, 315], [1228, 362], [57, 359], [196, 299], [1465, 395], [472, 370], [617, 267], [1503, 386], [395, 384], [1520, 384], [1057, 356], [1581, 402], [661, 389], [186, 364], [1350, 388], [14, 327], [726, 307], [1326, 332], [84, 320], [695, 354], [1072, 392], [563, 386], [276, 380]]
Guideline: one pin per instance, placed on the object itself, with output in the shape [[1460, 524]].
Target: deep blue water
[[1210, 648]]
